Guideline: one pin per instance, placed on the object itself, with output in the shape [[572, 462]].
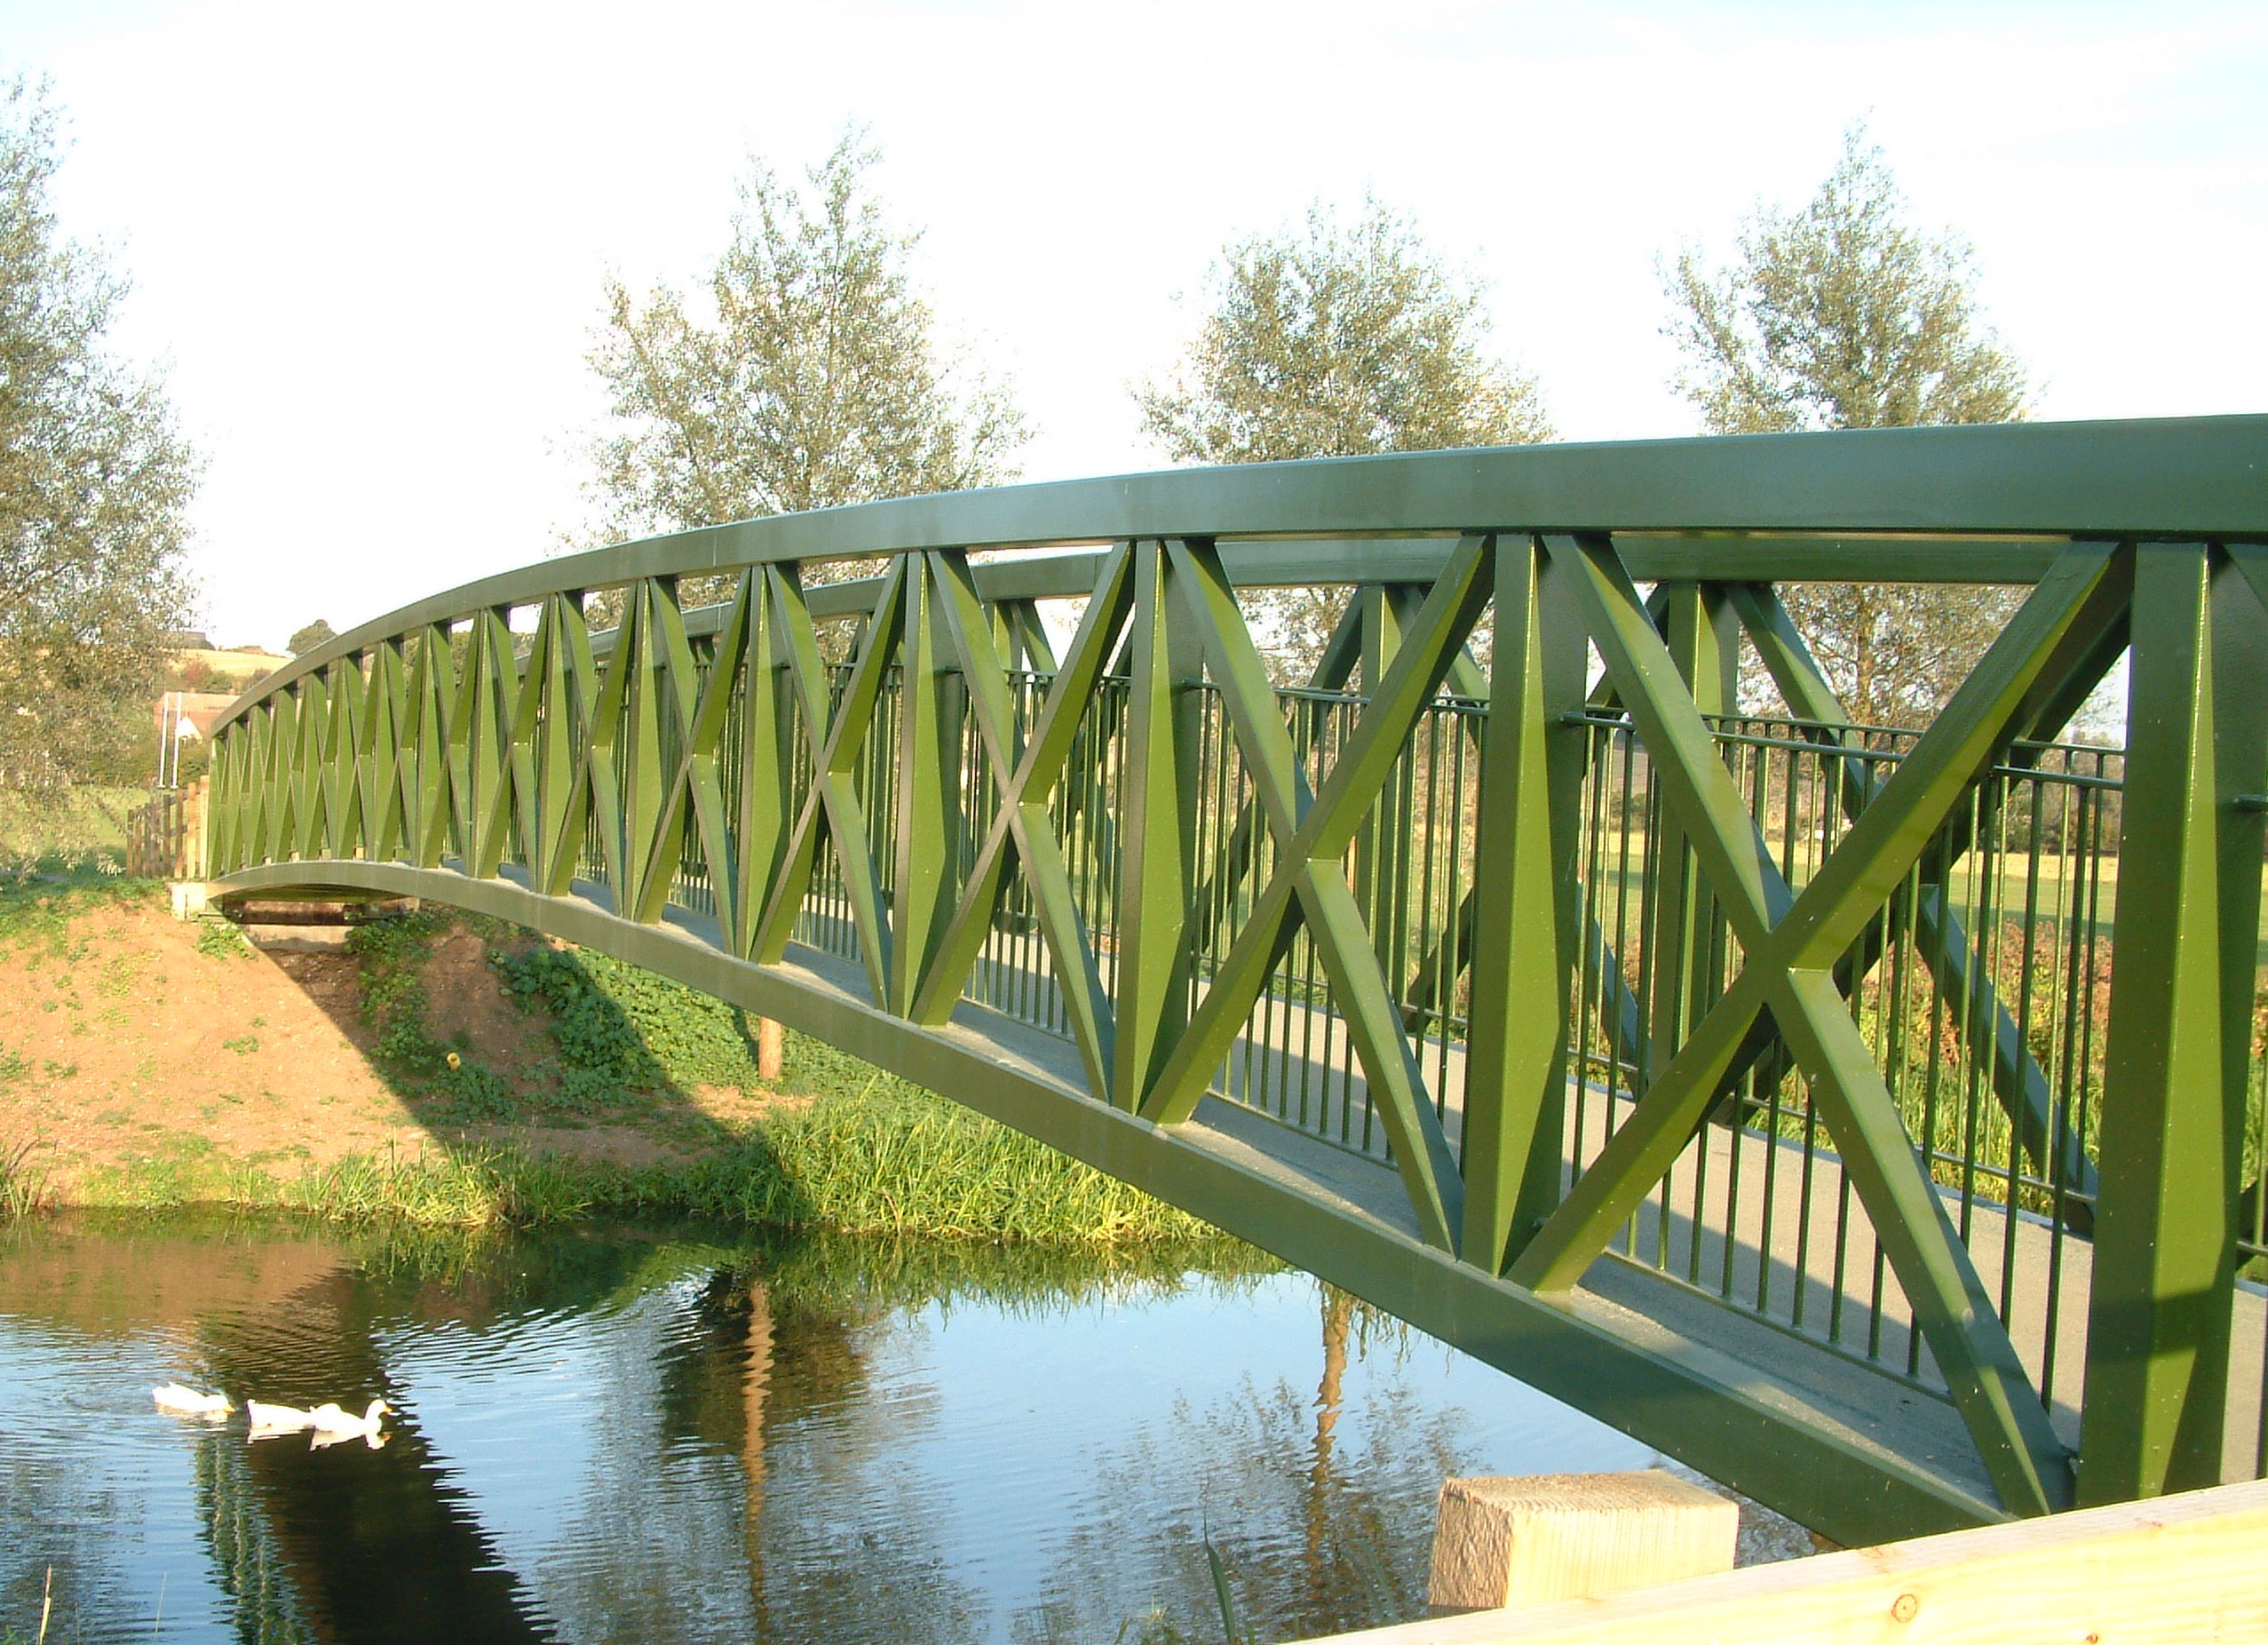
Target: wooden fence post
[[1532, 1539]]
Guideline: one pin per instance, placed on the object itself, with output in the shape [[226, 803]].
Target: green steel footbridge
[[1870, 1117]]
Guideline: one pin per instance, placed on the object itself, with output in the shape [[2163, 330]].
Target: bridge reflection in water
[[1869, 1118]]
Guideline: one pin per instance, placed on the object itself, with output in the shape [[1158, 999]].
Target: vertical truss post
[[384, 822], [766, 765], [644, 761], [472, 764], [1702, 632], [307, 755], [462, 710], [340, 750], [281, 736], [1157, 813], [262, 800], [260, 732], [220, 807], [1524, 938], [1377, 843], [2182, 971], [524, 809], [491, 688], [928, 821], [432, 688], [567, 764]]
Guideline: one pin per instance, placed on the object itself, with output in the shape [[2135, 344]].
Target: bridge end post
[[2171, 1140]]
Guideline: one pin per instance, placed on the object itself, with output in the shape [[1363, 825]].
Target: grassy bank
[[529, 1083], [897, 1162]]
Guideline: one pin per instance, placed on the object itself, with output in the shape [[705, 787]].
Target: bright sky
[[367, 241]]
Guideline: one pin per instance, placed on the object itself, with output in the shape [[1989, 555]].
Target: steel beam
[[2181, 1024]]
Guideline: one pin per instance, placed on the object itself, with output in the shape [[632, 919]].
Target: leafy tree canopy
[[95, 484], [1840, 315], [314, 634], [1843, 316], [1335, 341], [805, 375]]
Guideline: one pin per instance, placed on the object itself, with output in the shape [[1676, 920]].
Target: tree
[[1329, 343], [307, 639], [95, 484], [809, 376], [1840, 315]]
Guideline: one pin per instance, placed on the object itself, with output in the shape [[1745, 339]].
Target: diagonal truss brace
[[1943, 944], [1312, 833], [832, 808], [1790, 945], [1021, 824]]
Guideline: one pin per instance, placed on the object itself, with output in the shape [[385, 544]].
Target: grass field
[[91, 820]]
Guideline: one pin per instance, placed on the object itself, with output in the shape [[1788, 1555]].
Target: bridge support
[[2181, 1021]]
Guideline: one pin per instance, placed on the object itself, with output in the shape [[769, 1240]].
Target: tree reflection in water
[[1315, 1535], [639, 1434]]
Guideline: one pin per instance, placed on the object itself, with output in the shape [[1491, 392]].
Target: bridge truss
[[1870, 1117]]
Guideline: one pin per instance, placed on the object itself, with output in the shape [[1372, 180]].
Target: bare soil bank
[[127, 1042]]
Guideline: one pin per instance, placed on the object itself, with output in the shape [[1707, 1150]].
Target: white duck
[[183, 1401], [332, 1425], [269, 1421]]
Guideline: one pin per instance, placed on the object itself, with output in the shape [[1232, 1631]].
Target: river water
[[687, 1434]]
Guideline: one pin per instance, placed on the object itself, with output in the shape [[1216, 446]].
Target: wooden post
[[770, 1050], [1532, 1539], [2182, 1569]]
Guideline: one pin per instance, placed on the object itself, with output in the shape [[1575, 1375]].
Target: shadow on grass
[[574, 1041]]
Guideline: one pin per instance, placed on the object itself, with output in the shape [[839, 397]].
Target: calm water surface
[[685, 1435]]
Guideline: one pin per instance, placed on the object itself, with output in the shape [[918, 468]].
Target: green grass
[[863, 1153], [219, 939], [23, 1182], [88, 820], [41, 907], [616, 1025], [472, 1188], [898, 1161]]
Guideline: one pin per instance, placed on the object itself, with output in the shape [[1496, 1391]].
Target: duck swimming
[[332, 1425], [269, 1420], [183, 1401]]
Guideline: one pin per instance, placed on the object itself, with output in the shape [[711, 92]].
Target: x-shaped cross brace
[[1790, 945]]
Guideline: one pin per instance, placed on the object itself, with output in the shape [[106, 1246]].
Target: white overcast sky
[[367, 241]]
